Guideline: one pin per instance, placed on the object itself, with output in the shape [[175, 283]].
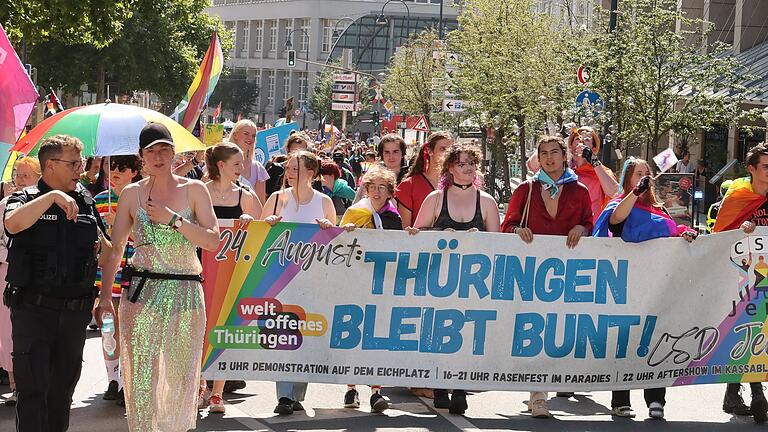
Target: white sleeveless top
[[305, 213]]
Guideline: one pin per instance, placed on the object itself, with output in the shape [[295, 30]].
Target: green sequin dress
[[161, 335]]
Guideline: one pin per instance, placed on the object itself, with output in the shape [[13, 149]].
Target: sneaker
[[623, 411], [217, 405], [733, 403], [378, 403], [759, 407], [564, 394], [539, 409], [12, 399], [4, 378], [233, 386], [284, 406], [111, 393], [351, 399], [441, 399], [458, 402], [656, 411], [297, 406]]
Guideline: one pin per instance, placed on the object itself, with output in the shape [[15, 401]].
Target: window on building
[[271, 88], [246, 39], [288, 35], [273, 36], [303, 87], [304, 39], [286, 86], [229, 25], [328, 38], [258, 31]]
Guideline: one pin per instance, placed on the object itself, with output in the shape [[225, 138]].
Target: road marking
[[460, 422]]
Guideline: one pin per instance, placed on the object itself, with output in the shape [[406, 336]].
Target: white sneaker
[[656, 411], [623, 411], [12, 399], [216, 405], [539, 409]]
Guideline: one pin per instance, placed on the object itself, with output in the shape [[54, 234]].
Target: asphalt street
[[694, 408]]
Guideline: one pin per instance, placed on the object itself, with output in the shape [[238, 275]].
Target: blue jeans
[[294, 391]]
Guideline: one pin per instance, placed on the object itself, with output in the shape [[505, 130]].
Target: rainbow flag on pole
[[18, 97], [188, 110]]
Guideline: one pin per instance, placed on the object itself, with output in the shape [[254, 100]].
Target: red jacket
[[574, 208]]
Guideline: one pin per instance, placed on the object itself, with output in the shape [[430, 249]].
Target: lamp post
[[382, 20], [288, 46], [335, 34]]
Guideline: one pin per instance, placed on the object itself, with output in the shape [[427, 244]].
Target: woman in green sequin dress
[[161, 334]]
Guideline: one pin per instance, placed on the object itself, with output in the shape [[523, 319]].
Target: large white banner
[[484, 311]]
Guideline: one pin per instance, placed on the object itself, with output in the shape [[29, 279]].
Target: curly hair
[[453, 156]]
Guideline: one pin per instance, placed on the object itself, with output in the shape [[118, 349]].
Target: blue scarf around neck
[[551, 185]]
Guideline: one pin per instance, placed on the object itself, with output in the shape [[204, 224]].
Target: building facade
[[261, 29]]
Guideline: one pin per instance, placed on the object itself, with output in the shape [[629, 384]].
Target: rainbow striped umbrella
[[108, 129]]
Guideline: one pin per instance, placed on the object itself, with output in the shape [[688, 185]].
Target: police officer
[[54, 237]]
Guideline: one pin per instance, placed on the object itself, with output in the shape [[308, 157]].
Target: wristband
[[595, 162], [173, 219]]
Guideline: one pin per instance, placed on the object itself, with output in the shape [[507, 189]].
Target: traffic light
[[375, 119], [291, 58]]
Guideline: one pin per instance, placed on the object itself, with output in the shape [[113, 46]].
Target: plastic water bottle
[[108, 333]]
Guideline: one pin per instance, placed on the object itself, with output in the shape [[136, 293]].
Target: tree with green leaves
[[92, 22], [514, 72], [411, 73], [660, 79], [159, 50], [236, 92]]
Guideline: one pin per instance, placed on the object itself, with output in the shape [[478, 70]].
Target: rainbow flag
[[738, 205], [18, 97], [188, 110]]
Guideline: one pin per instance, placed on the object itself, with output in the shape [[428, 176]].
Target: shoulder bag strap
[[527, 208]]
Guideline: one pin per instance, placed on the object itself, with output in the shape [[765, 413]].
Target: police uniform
[[50, 291]]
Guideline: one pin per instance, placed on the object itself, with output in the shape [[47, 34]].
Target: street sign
[[402, 125], [454, 105], [593, 98], [582, 75], [343, 97], [421, 125], [343, 87], [344, 77], [451, 57], [343, 106], [388, 105]]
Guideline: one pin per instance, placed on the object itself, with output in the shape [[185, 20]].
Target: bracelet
[[173, 219]]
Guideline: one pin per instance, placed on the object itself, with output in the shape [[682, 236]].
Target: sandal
[[623, 411]]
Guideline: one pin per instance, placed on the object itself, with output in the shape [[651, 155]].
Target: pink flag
[[17, 95]]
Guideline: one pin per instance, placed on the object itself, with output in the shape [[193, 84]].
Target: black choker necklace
[[462, 187]]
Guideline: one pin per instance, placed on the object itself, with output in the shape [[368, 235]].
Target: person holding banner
[[465, 207], [230, 201], [123, 170], [276, 166], [745, 207], [553, 202], [584, 145], [254, 174], [637, 216], [163, 311], [422, 177], [375, 211], [298, 203]]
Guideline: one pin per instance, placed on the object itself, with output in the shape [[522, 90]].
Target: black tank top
[[233, 212], [444, 220]]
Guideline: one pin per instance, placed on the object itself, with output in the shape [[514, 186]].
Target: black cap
[[154, 133], [338, 156]]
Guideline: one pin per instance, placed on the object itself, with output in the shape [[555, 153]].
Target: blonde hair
[[381, 174], [240, 125], [31, 163]]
